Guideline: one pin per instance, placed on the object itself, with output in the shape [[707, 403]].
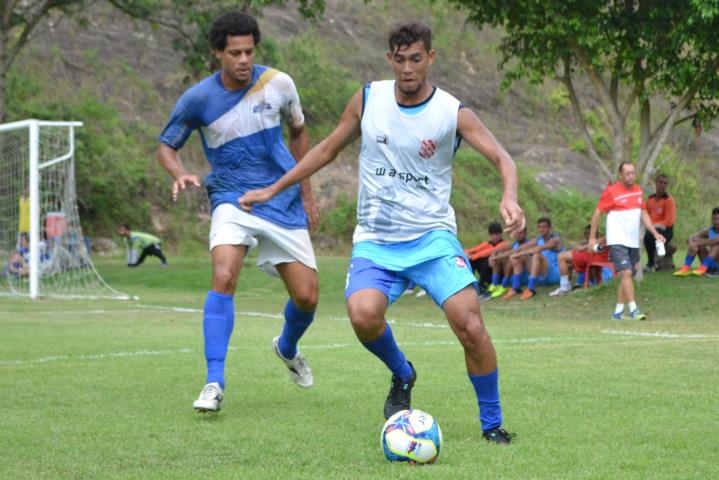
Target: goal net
[[42, 249]]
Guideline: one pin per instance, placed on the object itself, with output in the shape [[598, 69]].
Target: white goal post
[[42, 248]]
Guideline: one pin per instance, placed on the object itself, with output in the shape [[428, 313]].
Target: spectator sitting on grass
[[704, 243], [479, 256]]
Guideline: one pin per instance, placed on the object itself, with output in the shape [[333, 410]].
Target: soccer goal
[[42, 249]]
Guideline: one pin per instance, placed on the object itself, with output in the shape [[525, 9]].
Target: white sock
[[632, 306], [619, 309], [564, 282]]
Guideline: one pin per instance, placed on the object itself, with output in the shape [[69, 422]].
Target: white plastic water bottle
[[661, 251]]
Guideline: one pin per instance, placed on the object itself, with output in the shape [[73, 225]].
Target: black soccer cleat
[[498, 435], [400, 394]]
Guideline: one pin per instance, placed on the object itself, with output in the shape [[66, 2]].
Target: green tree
[[636, 55], [189, 19]]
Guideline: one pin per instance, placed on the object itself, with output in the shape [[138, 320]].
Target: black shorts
[[624, 258]]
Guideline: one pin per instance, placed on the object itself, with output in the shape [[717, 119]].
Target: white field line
[[333, 346], [659, 334], [329, 346]]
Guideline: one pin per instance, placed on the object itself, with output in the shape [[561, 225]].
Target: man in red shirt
[[662, 210], [479, 256], [622, 202]]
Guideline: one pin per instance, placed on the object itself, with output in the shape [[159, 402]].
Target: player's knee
[[306, 298], [363, 316], [471, 333], [224, 280]]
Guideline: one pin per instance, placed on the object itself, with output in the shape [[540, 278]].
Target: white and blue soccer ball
[[411, 436]]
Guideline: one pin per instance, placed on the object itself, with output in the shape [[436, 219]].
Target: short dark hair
[[621, 165], [125, 226], [545, 220], [233, 24], [661, 176], [495, 228], [715, 211], [406, 33]]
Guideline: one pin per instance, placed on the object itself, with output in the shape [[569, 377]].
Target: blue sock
[[487, 389], [506, 281], [532, 284], [495, 279], [516, 282], [296, 322], [688, 260], [580, 278], [386, 349], [219, 320], [709, 262]]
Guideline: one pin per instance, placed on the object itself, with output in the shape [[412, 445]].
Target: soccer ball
[[411, 436]]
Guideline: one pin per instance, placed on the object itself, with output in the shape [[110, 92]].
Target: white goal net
[[42, 248]]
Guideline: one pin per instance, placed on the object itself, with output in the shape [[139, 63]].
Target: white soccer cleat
[[210, 398], [298, 368], [560, 291]]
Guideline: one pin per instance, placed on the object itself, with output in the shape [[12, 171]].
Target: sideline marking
[[658, 334], [328, 346]]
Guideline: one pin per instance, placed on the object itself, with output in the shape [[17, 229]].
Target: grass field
[[103, 389]]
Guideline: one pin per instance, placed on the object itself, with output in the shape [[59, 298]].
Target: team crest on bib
[[427, 148], [461, 263]]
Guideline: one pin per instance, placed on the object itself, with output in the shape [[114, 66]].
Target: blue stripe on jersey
[[201, 105], [242, 164], [251, 162]]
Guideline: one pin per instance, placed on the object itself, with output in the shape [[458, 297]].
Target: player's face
[[543, 229], [495, 237], [715, 221], [237, 59], [661, 185], [628, 174], [410, 65], [521, 235]]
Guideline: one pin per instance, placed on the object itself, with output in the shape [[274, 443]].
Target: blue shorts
[[441, 277], [713, 266], [551, 277]]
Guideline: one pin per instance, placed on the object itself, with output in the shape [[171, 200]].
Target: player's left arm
[[299, 143], [299, 146], [471, 128], [649, 225]]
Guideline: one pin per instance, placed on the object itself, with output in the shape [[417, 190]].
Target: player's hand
[[513, 216], [660, 238], [254, 196], [182, 182], [592, 244], [312, 210]]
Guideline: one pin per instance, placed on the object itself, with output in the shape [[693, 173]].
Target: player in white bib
[[406, 229]]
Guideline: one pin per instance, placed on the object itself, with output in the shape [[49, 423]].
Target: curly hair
[[406, 33], [233, 24]]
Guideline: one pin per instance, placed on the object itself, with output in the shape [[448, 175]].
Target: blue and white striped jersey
[[241, 134]]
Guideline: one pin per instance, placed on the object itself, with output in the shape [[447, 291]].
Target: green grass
[[103, 389]]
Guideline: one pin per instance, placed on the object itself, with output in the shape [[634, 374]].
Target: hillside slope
[[134, 69]]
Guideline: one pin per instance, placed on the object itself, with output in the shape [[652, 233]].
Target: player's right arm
[[594, 227], [183, 120], [346, 131], [700, 237], [170, 161]]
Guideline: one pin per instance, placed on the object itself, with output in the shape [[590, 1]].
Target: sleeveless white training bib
[[405, 167]]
